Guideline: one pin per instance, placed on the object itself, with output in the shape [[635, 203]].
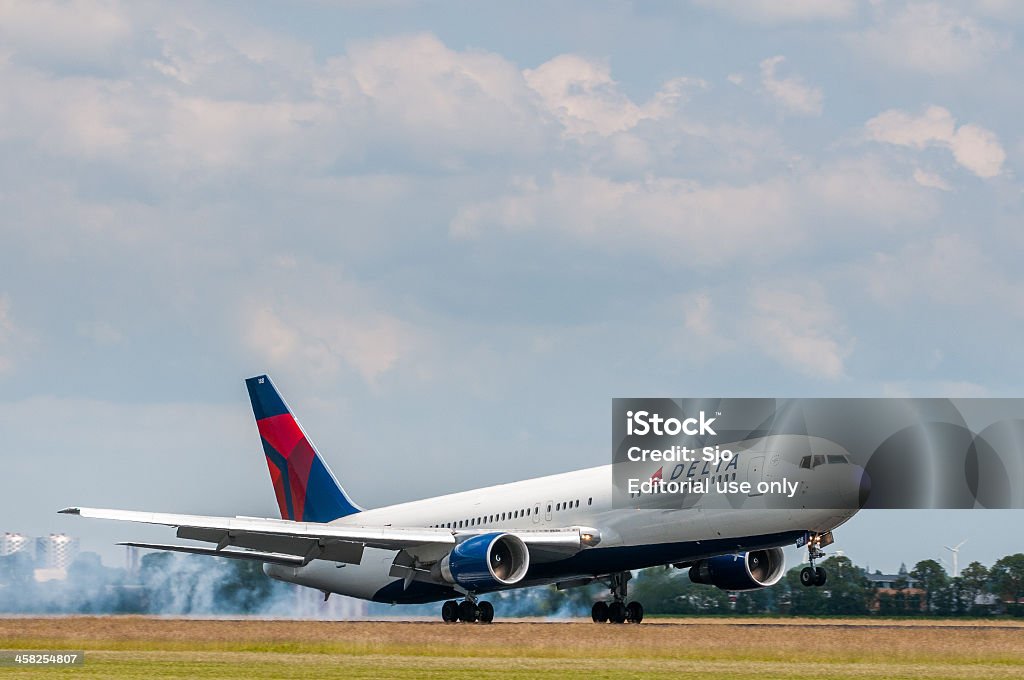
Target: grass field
[[142, 647]]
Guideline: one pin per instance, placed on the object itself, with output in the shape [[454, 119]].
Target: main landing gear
[[617, 611], [467, 611], [812, 575]]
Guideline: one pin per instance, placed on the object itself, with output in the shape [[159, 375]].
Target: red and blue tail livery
[[306, 489]]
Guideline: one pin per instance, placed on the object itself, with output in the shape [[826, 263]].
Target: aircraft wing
[[281, 541]]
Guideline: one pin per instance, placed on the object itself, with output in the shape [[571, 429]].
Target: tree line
[[924, 590]]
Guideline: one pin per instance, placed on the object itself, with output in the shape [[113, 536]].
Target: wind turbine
[[956, 553]]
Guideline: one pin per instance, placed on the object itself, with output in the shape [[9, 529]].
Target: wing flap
[[272, 558], [334, 550]]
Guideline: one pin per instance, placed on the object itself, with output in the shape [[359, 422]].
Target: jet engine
[[745, 571], [485, 562]]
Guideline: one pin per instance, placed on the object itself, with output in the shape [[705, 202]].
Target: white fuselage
[[630, 537]]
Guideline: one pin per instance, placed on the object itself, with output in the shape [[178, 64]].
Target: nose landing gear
[[617, 611], [812, 575]]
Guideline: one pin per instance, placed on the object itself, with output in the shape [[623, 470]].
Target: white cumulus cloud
[[791, 93], [973, 147], [584, 97]]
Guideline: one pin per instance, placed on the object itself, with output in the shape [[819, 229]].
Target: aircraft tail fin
[[306, 489]]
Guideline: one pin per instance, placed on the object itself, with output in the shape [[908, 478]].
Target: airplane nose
[[856, 487]]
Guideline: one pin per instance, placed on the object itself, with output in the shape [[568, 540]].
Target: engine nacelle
[[487, 561], [746, 571]]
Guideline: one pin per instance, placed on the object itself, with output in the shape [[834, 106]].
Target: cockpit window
[[837, 459], [805, 463], [817, 460]]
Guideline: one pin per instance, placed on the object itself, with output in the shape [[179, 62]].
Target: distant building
[[892, 581], [898, 586], [56, 551], [17, 543]]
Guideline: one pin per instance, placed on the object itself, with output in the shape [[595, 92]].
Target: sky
[[453, 232]]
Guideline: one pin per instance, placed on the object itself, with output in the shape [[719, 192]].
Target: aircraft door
[[754, 473], [536, 513], [547, 515]]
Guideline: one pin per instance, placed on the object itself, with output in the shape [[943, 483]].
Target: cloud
[[234, 101], [584, 98], [978, 150], [798, 328], [790, 93], [789, 323], [930, 179], [705, 332], [793, 11], [698, 315], [69, 34], [866, 192], [436, 98], [973, 147], [703, 225], [323, 342], [929, 37]]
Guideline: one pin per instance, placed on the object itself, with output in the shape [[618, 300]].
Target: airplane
[[563, 529]]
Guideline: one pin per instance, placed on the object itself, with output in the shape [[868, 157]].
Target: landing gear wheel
[[485, 611], [820, 576], [599, 612], [467, 611], [450, 611], [617, 612], [807, 577], [634, 612]]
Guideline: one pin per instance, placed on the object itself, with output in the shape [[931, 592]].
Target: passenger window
[[558, 506], [590, 501]]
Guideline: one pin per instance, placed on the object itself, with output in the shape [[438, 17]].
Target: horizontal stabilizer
[[272, 558]]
